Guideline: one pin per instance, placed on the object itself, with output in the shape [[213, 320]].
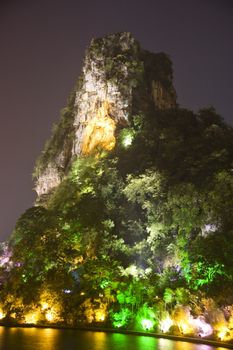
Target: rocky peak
[[116, 73], [111, 71]]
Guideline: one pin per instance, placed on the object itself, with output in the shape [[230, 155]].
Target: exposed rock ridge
[[115, 70]]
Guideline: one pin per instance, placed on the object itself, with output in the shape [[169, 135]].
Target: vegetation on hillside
[[139, 238]]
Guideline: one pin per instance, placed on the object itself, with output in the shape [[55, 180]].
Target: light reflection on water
[[58, 339]]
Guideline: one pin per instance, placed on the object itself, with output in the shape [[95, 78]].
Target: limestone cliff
[[118, 80]]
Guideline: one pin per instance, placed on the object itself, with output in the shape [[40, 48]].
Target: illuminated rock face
[[111, 70], [99, 131], [48, 180], [117, 75]]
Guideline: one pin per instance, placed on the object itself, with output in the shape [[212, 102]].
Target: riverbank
[[194, 340]]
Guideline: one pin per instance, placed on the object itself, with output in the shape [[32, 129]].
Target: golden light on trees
[[31, 317], [2, 315], [100, 315], [49, 316], [44, 305], [50, 306]]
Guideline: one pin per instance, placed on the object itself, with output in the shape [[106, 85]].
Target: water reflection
[[30, 338], [147, 343], [166, 344], [54, 339]]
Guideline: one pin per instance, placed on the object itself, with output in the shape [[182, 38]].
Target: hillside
[[133, 224]]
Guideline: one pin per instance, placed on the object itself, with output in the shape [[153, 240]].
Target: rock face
[[163, 98], [116, 74], [111, 69]]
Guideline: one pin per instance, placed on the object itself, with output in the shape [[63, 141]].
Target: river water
[[59, 339]]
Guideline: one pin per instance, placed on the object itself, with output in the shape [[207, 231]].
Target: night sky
[[42, 47]]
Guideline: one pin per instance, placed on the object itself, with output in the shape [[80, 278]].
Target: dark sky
[[42, 47]]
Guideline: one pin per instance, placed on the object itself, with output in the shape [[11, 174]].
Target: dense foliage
[[137, 237]]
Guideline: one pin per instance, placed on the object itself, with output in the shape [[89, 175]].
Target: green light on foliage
[[117, 324], [127, 136], [147, 324], [121, 318], [202, 273], [24, 277], [104, 284], [146, 318], [127, 141]]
